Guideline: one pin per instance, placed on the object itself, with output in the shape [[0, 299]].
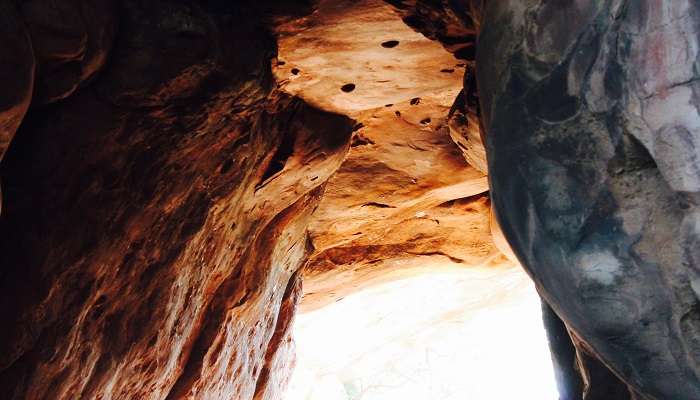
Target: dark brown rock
[[71, 40], [151, 229]]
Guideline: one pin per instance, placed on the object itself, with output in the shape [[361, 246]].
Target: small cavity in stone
[[388, 105], [295, 71], [447, 70], [425, 121], [415, 101], [348, 87], [390, 43]]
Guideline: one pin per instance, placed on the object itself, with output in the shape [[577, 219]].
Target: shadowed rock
[[16, 74], [155, 217], [593, 132]]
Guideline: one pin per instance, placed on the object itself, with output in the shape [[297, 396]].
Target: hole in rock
[[390, 43], [279, 159], [348, 87], [295, 71], [440, 332]]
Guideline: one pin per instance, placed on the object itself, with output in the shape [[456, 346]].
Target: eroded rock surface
[[160, 191], [154, 218], [391, 210], [351, 56], [592, 122]]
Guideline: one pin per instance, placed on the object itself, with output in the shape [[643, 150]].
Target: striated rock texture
[[155, 217], [169, 160], [592, 120], [391, 210]]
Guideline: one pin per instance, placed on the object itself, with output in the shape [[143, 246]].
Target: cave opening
[[443, 331], [406, 295]]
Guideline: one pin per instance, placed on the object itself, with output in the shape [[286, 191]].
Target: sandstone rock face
[[465, 123], [352, 56], [391, 210], [592, 124], [51, 48], [155, 218], [159, 193]]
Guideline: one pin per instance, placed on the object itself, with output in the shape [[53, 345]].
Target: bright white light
[[456, 333]]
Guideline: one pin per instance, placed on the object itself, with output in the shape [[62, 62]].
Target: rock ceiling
[[391, 199], [364, 44]]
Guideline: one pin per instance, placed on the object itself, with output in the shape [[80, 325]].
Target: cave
[[350, 199]]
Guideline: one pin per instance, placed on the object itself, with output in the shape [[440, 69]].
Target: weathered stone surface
[[280, 355], [391, 208], [153, 224], [157, 218], [592, 140], [351, 56], [390, 212], [465, 125], [569, 380]]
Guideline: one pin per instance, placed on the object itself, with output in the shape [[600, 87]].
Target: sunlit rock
[[345, 43]]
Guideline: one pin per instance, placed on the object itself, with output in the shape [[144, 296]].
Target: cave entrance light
[[450, 333]]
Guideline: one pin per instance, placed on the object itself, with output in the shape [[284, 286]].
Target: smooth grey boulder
[[593, 142]]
